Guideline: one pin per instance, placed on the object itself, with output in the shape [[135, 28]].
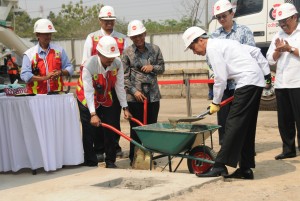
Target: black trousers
[[91, 135], [223, 114], [137, 111], [239, 140], [116, 113], [288, 112]]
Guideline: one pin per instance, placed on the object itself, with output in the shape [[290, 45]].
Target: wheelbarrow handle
[[104, 125], [224, 102], [136, 121]]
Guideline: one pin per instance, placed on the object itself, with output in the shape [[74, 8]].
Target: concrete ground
[[274, 180], [98, 183]]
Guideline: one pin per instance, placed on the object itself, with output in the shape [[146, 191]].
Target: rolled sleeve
[[26, 72], [66, 64]]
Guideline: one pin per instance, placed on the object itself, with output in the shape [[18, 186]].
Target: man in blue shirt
[[44, 64]]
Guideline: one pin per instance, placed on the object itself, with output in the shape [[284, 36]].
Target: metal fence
[[171, 45]]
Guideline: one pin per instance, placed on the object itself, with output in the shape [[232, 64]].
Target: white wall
[[171, 45]]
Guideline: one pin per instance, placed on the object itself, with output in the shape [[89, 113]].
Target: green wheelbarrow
[[186, 141]]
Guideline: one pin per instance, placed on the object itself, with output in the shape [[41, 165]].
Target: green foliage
[[76, 21], [167, 26], [22, 24]]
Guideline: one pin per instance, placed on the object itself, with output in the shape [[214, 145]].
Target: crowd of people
[[115, 76]]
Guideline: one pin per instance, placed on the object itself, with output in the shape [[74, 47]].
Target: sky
[[127, 10]]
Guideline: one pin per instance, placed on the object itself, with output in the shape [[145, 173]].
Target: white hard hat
[[135, 27], [285, 10], [222, 6], [7, 51], [107, 13], [43, 26], [191, 34], [108, 47]]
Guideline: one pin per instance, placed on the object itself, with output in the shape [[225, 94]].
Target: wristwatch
[[292, 49], [125, 108]]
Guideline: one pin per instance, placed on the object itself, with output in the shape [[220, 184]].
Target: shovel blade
[[175, 120]]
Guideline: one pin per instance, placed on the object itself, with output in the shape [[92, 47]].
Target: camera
[[35, 71]]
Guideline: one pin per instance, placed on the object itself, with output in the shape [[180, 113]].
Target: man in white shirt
[[284, 52], [100, 76], [247, 67], [107, 20]]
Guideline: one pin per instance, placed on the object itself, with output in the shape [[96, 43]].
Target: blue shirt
[[239, 33], [26, 73]]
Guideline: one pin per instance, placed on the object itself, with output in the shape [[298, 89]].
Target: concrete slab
[[83, 183], [74, 183]]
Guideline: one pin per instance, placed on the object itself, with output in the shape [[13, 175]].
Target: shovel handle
[[224, 102]]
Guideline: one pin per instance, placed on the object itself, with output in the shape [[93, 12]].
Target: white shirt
[[232, 60], [88, 44], [288, 65], [94, 66]]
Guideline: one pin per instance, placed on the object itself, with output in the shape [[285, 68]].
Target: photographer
[[12, 66]]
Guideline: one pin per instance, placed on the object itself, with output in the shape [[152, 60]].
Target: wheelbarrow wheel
[[203, 152]]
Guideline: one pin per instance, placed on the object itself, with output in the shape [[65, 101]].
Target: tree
[[22, 24], [195, 8], [75, 21]]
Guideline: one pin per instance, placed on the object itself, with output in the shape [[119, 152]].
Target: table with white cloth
[[39, 131]]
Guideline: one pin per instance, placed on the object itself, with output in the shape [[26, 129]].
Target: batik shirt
[[133, 60]]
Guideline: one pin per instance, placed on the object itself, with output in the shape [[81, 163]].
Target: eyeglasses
[[284, 20], [222, 16]]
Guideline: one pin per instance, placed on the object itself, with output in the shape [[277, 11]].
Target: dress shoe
[[285, 155], [110, 165], [214, 172], [241, 174], [100, 158]]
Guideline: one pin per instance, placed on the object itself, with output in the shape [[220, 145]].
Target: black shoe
[[110, 165], [285, 155], [100, 158], [214, 172], [241, 174]]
